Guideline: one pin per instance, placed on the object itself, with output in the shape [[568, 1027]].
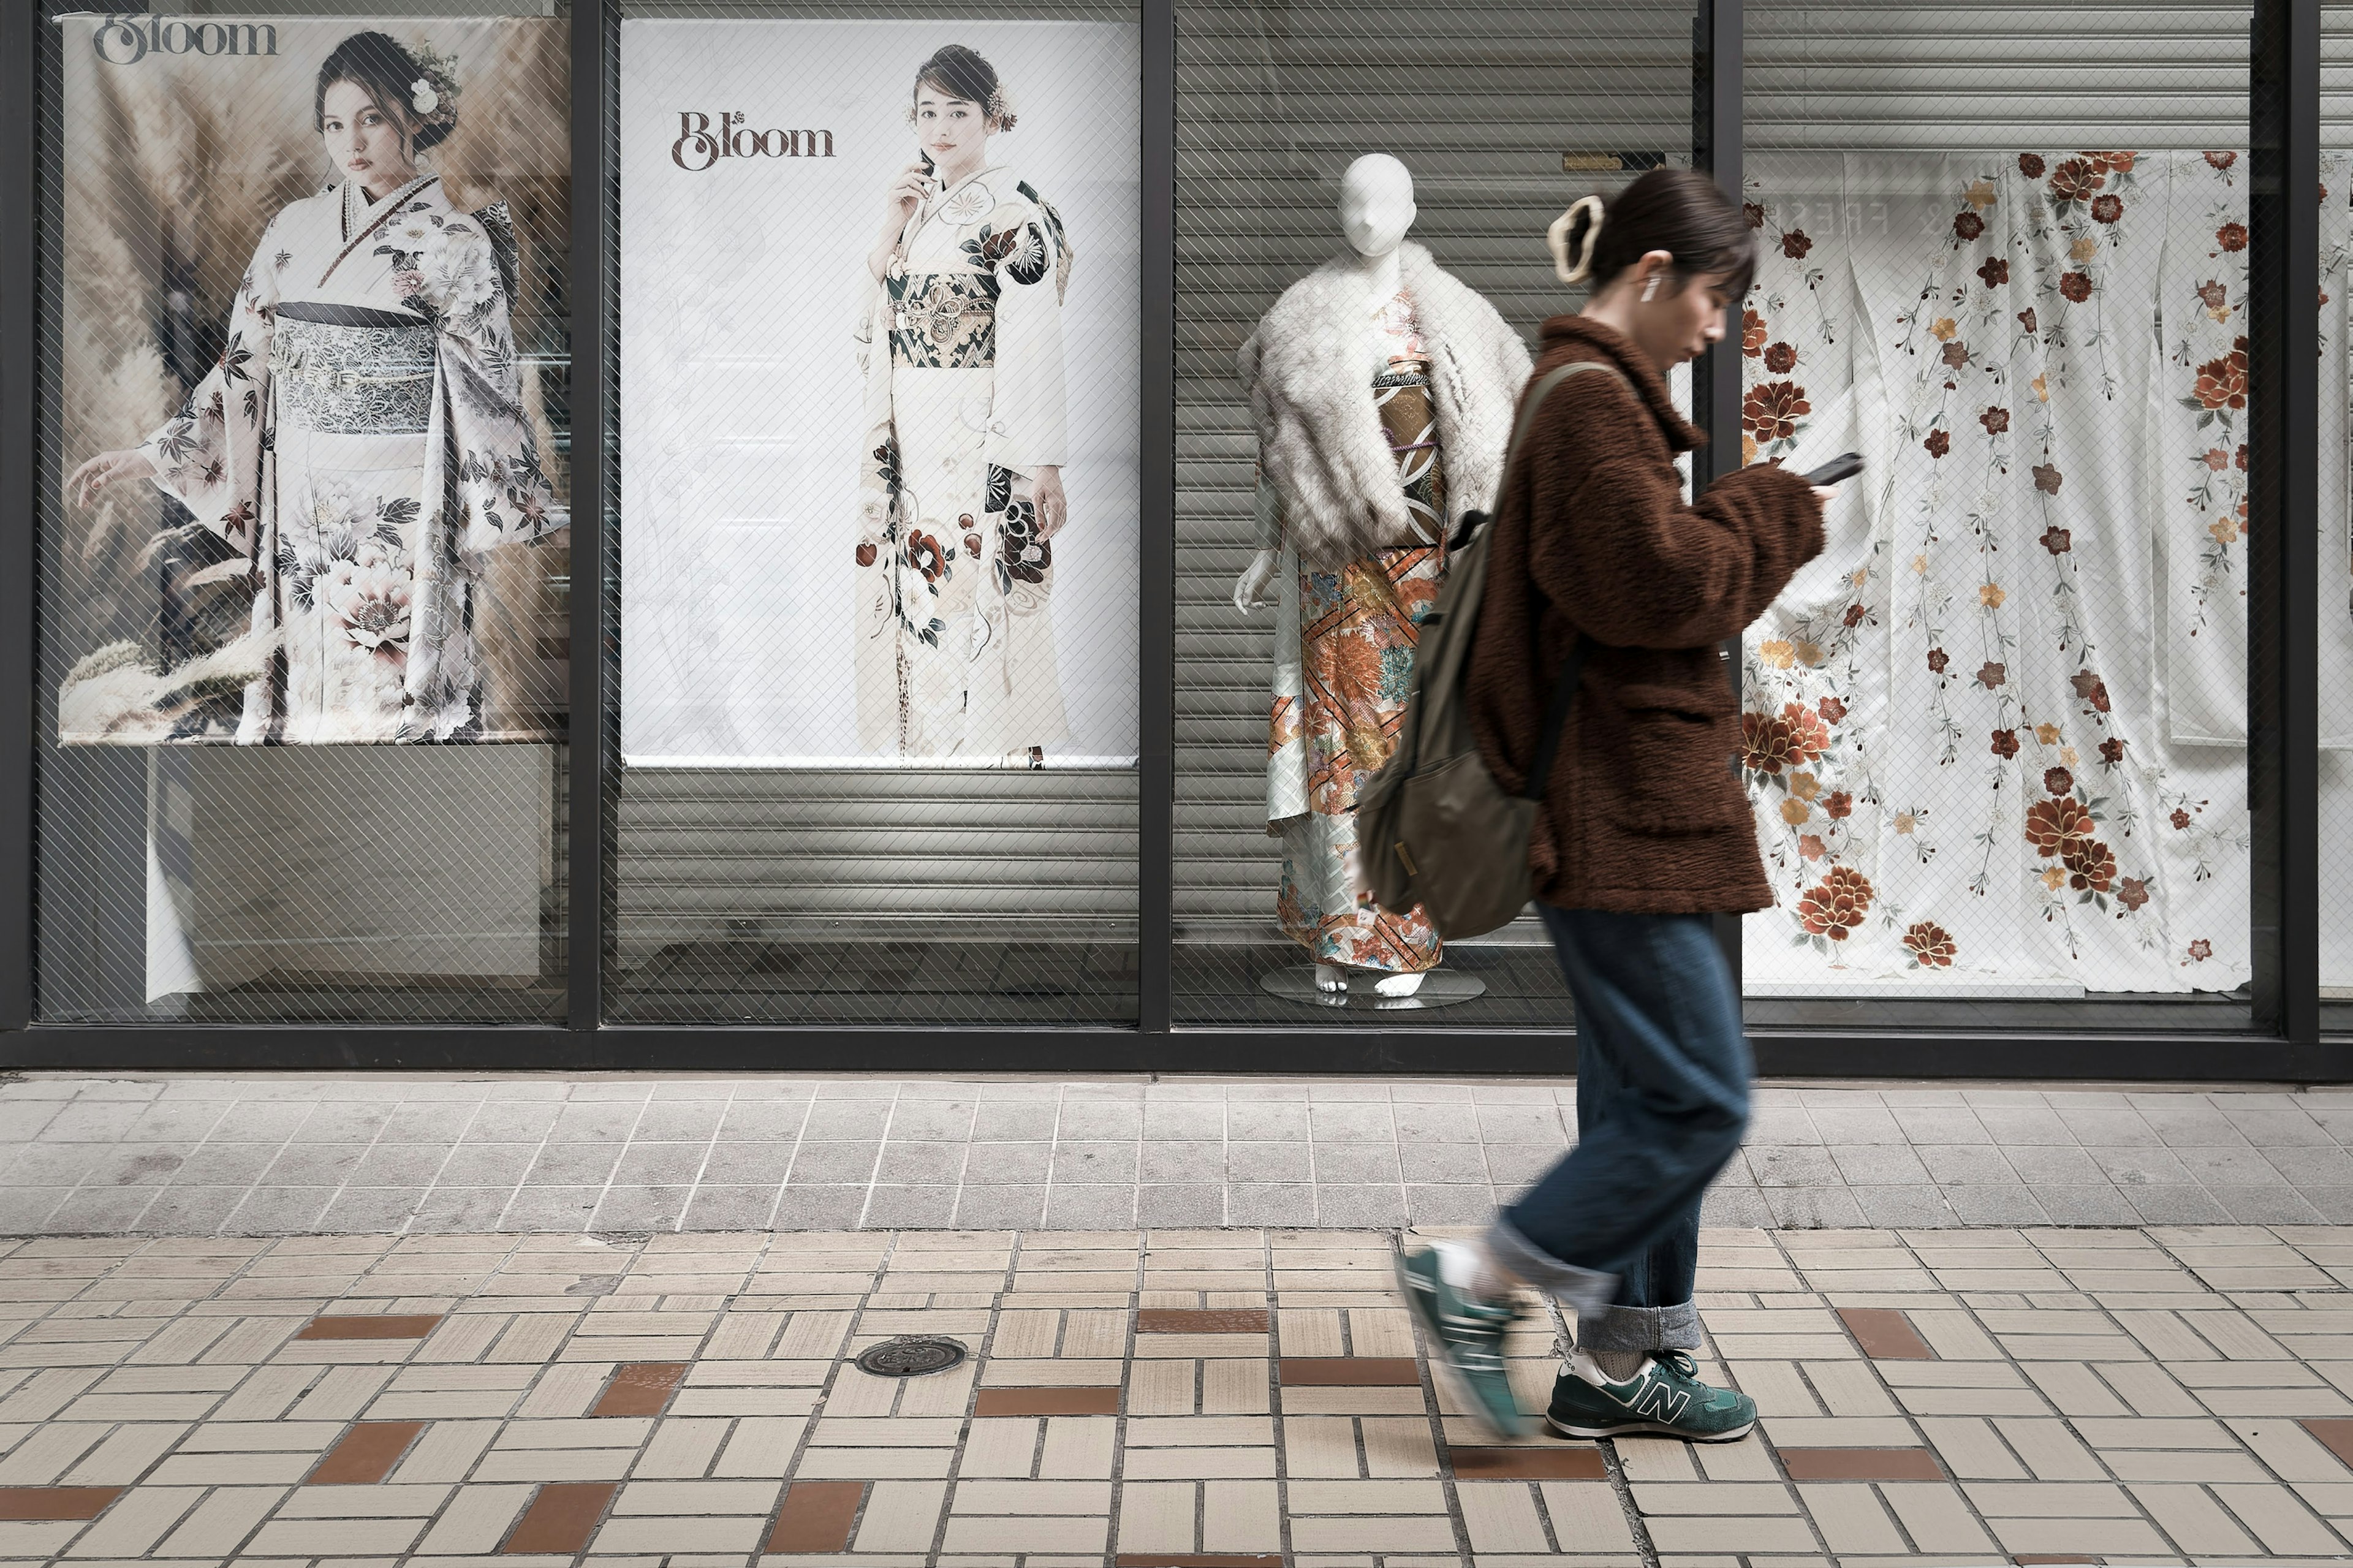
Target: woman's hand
[[906, 193], [93, 479], [1054, 507], [1250, 588], [1824, 495]]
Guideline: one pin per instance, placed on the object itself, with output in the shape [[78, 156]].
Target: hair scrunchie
[[1557, 236]]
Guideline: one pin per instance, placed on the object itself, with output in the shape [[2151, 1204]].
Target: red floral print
[[2202, 950], [2223, 383], [2058, 540], [2232, 237], [1995, 271], [1795, 244], [2221, 160], [2052, 825], [2026, 319], [2029, 165], [1838, 803], [2132, 892], [2076, 179], [1752, 333], [2047, 478], [1836, 905], [1938, 443], [2180, 818], [2076, 285], [1780, 359], [2005, 743], [1771, 412], [1930, 945], [1936, 661], [2058, 781], [2111, 751], [1995, 420], [2094, 866], [1968, 224], [1992, 675], [1831, 708], [2107, 208], [1769, 743], [2092, 689]]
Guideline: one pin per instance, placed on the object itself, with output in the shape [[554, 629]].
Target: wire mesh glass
[[1997, 736], [875, 669], [1503, 115], [302, 655]]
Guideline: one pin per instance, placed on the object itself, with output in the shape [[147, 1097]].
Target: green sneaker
[[1664, 1399], [1469, 1335]]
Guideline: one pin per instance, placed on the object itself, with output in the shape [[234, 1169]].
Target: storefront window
[[878, 439], [2336, 524], [1997, 735], [301, 694]]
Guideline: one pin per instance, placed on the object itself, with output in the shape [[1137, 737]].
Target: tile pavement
[[1230, 1397], [262, 1156]]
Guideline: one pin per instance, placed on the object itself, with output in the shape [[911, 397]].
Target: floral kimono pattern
[[360, 447], [1996, 737], [1344, 663], [962, 350]]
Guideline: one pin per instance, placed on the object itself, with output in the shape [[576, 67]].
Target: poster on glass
[[879, 331], [307, 453]]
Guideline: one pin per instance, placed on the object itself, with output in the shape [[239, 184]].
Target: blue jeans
[[1662, 1075]]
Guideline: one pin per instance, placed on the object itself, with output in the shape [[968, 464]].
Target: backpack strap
[[1572, 669]]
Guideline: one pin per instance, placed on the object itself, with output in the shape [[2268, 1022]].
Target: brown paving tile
[[2336, 1436], [1201, 1321], [1048, 1402], [27, 1504], [817, 1516], [1886, 1333], [640, 1388], [1350, 1372], [366, 1454], [1861, 1465], [561, 1519], [1528, 1464], [385, 1326], [1193, 1559]]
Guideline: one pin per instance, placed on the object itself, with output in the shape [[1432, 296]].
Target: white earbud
[[1651, 290]]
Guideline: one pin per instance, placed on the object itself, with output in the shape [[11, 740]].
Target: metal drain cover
[[911, 1356]]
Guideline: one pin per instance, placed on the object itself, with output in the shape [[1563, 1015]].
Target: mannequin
[[1382, 389]]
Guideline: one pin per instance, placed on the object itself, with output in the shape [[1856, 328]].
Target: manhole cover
[[911, 1357]]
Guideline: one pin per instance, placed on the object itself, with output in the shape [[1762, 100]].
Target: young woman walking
[[1644, 834]]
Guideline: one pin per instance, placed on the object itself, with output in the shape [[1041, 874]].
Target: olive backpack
[[1434, 827]]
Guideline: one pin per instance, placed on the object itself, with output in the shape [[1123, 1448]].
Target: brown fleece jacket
[[1643, 812]]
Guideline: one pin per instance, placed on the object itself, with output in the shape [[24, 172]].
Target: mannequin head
[[1665, 260], [1376, 203]]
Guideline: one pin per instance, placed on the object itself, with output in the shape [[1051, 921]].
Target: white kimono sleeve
[[207, 456], [1028, 422]]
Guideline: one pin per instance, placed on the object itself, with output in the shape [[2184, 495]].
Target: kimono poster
[[879, 338], [314, 510]]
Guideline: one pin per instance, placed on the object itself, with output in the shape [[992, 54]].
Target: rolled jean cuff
[[1615, 1328], [1584, 1291]]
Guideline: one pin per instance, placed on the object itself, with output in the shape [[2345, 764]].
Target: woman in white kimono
[[360, 447], [962, 491]]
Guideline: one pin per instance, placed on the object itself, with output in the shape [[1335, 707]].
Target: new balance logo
[[1658, 1400]]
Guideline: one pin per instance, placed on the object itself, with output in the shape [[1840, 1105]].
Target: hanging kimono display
[[1997, 735], [357, 449], [878, 424]]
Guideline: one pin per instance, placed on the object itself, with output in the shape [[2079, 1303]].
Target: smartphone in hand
[[1843, 467]]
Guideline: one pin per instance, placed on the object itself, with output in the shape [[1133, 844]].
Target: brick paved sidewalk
[[1214, 1396]]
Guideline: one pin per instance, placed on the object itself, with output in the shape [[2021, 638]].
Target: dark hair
[[961, 73], [1683, 212], [379, 67]]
